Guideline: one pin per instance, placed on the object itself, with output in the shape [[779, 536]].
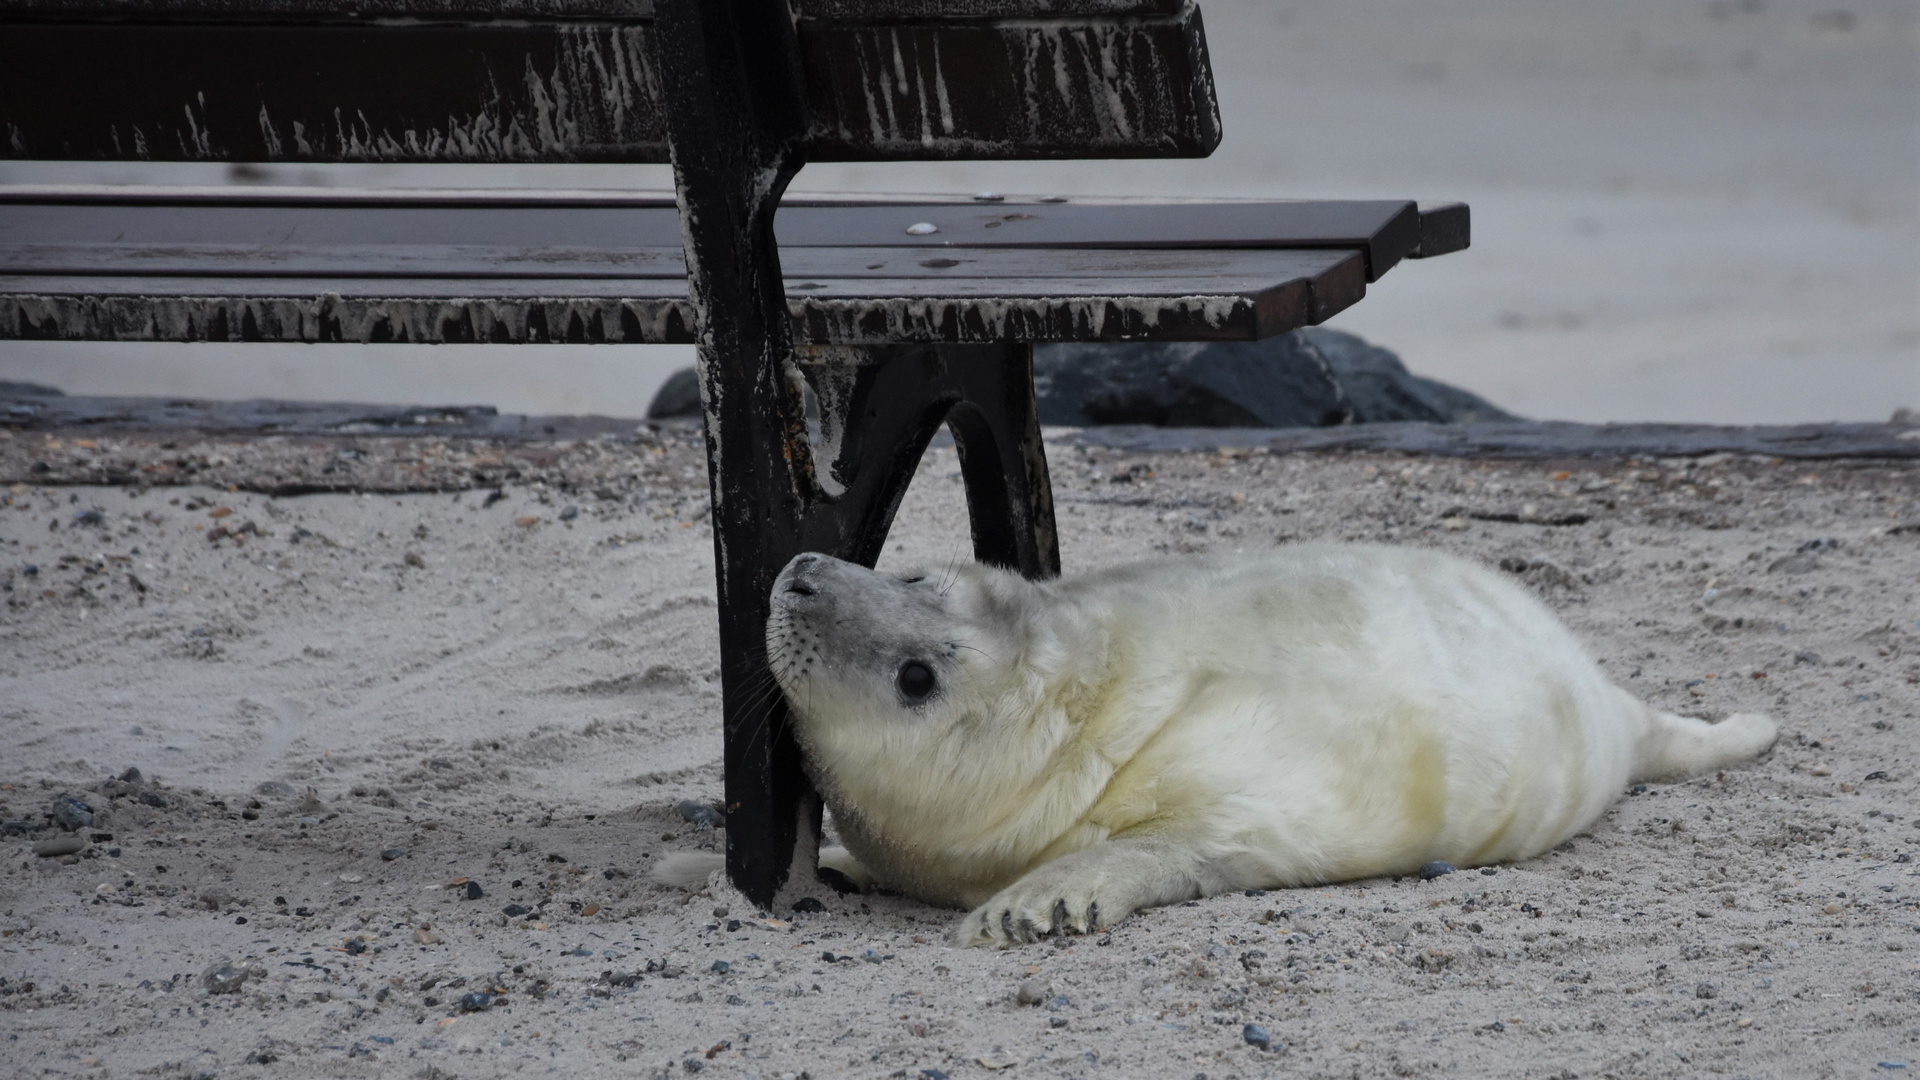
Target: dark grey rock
[[70, 813], [474, 891], [1381, 390], [393, 853], [153, 798], [1309, 378], [1488, 871], [10, 389], [808, 905], [1281, 382], [1257, 1036], [678, 396], [476, 1001], [1434, 869], [132, 776], [1705, 990]]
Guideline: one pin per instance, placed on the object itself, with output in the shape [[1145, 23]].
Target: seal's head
[[918, 697]]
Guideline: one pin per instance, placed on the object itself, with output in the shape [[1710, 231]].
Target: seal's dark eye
[[916, 681]]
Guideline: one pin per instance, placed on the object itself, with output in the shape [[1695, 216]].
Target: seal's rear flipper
[[1675, 746], [843, 872]]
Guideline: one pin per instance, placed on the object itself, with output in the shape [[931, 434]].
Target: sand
[[358, 711]]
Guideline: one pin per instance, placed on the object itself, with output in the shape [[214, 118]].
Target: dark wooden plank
[[1444, 228], [1178, 268], [656, 310], [1068, 88], [932, 10], [1386, 230], [574, 90], [351, 11], [309, 12], [419, 92]]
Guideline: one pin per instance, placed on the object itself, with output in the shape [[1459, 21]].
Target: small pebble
[[152, 798], [569, 513], [933, 1074], [132, 776], [55, 846], [514, 911], [1488, 871], [224, 978], [721, 967], [1434, 869], [476, 1001], [1705, 990], [474, 892], [393, 853], [702, 815], [70, 813], [808, 904], [720, 911], [1255, 1035], [1031, 992]]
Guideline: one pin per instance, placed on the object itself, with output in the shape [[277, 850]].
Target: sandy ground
[[1692, 212], [395, 750]]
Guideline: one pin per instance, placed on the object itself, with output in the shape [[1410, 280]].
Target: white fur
[[1160, 731]]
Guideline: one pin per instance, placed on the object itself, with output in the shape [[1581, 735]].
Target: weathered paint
[[597, 320], [1080, 86]]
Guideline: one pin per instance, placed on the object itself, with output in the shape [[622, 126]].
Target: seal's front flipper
[[1077, 893], [840, 870]]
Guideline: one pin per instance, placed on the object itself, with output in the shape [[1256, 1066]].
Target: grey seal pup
[[1054, 755]]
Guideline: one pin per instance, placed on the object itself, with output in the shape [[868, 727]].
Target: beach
[[375, 780]]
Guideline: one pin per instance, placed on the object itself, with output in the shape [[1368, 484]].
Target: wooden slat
[[309, 12], [562, 88], [1020, 88], [1386, 230], [930, 10], [421, 92], [655, 310], [362, 260]]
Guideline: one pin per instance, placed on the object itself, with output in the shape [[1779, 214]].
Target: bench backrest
[[579, 80]]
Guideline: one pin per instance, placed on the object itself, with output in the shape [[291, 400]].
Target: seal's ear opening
[[916, 681]]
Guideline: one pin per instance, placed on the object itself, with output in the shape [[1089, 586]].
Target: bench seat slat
[[656, 310], [801, 265], [1387, 230]]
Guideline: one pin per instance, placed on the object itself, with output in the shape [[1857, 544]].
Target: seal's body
[[1057, 754]]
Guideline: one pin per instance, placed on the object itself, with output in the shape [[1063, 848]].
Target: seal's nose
[[800, 565]]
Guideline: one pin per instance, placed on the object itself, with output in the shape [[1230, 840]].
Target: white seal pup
[[1057, 754]]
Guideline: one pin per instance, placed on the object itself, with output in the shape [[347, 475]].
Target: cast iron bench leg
[[878, 410], [731, 76]]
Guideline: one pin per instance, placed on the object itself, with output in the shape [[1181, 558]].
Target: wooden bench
[[833, 343]]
